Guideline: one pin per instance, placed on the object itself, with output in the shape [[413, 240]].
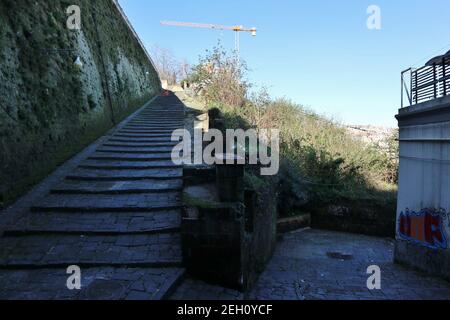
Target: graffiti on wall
[[425, 227]]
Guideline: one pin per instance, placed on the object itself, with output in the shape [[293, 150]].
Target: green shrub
[[321, 162]]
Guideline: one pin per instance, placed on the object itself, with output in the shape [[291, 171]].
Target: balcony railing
[[427, 83]]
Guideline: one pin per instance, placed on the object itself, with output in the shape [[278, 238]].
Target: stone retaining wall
[[50, 108]]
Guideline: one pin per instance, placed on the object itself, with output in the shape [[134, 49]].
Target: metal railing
[[426, 83]]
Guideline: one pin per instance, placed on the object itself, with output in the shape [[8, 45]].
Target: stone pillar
[[229, 178]]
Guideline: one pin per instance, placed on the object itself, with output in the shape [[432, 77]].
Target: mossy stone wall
[[49, 108]]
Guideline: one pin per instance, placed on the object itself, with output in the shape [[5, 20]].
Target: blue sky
[[318, 53]]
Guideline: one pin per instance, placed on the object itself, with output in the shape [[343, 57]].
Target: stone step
[[155, 131], [117, 174], [127, 144], [146, 134], [164, 221], [156, 121], [169, 129], [148, 141], [143, 150], [55, 250], [108, 203], [150, 122], [173, 118], [99, 283], [130, 156], [117, 187], [162, 112], [143, 135], [169, 116], [146, 131], [155, 126], [128, 165]]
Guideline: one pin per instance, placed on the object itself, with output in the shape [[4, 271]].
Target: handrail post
[[416, 89], [444, 75], [403, 81], [410, 86], [434, 80]]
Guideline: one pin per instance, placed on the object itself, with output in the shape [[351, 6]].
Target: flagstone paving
[[326, 265]]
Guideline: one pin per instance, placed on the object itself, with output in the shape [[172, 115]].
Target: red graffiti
[[425, 227]]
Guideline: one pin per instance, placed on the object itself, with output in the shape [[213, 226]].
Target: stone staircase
[[116, 216]]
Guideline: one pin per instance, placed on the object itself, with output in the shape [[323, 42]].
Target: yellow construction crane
[[237, 29]]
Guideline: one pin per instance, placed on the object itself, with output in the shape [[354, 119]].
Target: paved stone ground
[[116, 215], [324, 265], [194, 289]]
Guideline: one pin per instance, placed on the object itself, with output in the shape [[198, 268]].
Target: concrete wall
[[50, 108], [423, 213]]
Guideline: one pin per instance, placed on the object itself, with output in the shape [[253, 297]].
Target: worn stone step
[[163, 112], [158, 125], [157, 149], [117, 187], [164, 221], [125, 175], [133, 151], [152, 131], [107, 203], [148, 141], [56, 250], [152, 126], [143, 135], [128, 165], [100, 283], [169, 129], [140, 144], [130, 156], [163, 116], [151, 123], [156, 121], [170, 118], [176, 118], [156, 136]]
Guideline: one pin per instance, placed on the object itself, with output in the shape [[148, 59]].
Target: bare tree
[[184, 69], [169, 67]]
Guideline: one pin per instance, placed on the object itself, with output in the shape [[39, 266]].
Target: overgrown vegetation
[[321, 162]]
